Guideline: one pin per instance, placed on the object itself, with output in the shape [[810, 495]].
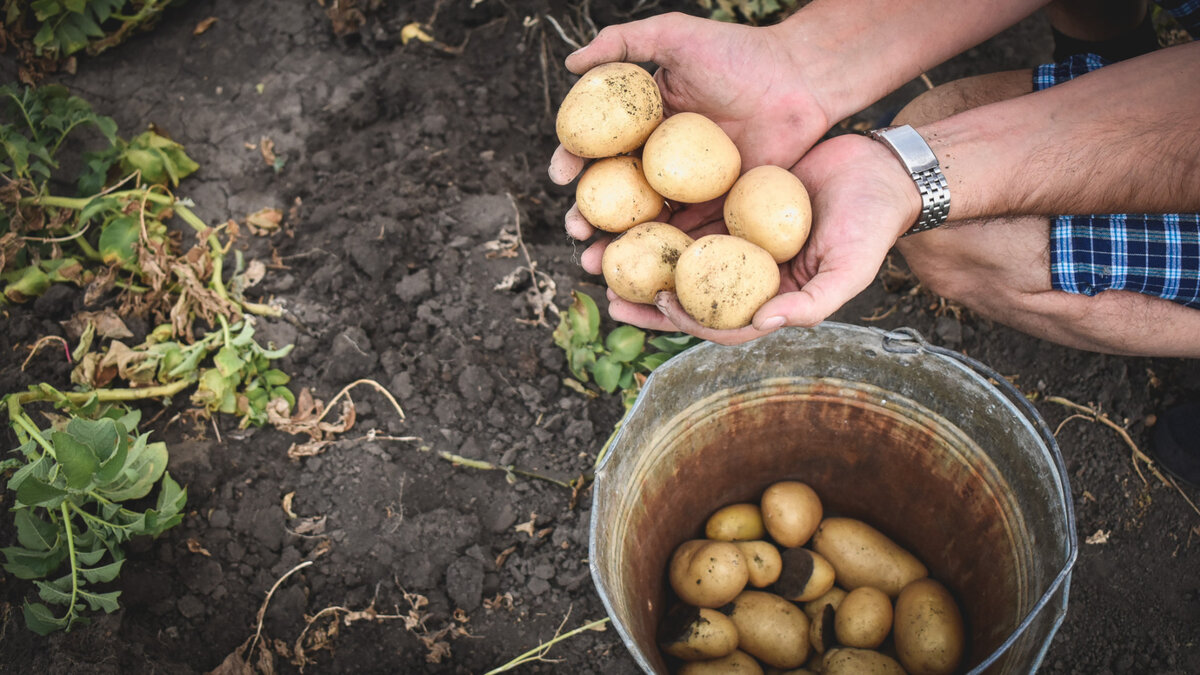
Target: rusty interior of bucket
[[911, 475]]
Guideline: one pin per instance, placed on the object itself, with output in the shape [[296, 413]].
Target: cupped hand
[[863, 200], [746, 79]]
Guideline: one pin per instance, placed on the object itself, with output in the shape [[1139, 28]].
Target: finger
[[823, 295], [635, 42], [668, 304], [592, 259], [692, 216], [576, 225], [642, 316], [564, 166]]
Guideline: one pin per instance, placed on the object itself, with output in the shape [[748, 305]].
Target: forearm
[[854, 53], [1125, 138]]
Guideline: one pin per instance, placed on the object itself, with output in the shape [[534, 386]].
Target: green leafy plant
[[72, 488], [750, 11], [60, 28], [619, 361]]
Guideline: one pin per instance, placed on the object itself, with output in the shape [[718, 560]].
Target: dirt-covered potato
[[611, 110], [707, 573], [769, 206], [690, 159], [864, 618], [735, 522], [864, 556], [851, 661], [791, 512], [737, 663], [641, 262], [770, 628], [762, 558], [614, 196], [722, 280], [805, 575], [930, 637], [833, 597], [697, 633]]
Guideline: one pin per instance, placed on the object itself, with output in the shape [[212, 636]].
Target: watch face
[[908, 145]]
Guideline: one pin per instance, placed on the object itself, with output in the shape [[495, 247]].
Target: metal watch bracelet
[[920, 162]]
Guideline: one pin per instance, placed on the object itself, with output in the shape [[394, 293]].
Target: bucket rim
[[902, 340]]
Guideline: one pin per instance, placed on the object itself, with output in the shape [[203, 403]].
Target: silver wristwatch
[[917, 157]]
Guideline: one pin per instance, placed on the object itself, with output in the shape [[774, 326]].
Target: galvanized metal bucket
[[927, 445]]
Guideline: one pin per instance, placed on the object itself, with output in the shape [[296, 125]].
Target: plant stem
[[96, 519], [539, 651], [74, 569], [27, 424], [109, 395]]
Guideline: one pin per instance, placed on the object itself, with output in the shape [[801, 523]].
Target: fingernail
[[771, 323]]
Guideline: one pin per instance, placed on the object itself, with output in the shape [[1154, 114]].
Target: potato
[[708, 573], [864, 618], [791, 512], [611, 110], [833, 598], [850, 661], [762, 558], [770, 628], [769, 206], [930, 638], [641, 262], [697, 634], [722, 280], [735, 522], [805, 575], [690, 159], [864, 556], [614, 196], [821, 632], [737, 663]]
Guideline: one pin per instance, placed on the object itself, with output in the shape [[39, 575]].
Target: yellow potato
[[930, 638], [864, 618], [832, 598], [614, 196], [722, 280], [641, 262], [737, 663], [611, 110], [690, 159], [791, 512], [736, 522], [864, 556], [763, 560], [707, 573], [850, 661], [805, 575], [770, 629], [769, 206], [697, 634]]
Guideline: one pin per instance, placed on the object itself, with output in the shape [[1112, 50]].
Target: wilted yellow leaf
[[413, 31]]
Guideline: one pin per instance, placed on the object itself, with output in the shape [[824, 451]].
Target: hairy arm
[[1125, 138]]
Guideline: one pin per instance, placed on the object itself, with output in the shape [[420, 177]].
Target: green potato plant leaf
[[70, 511]]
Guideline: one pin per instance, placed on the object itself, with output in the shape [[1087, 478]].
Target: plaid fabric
[[1186, 12], [1155, 254]]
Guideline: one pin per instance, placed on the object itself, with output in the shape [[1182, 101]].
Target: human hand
[[863, 200], [745, 79]]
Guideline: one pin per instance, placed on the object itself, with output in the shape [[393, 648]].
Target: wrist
[[906, 197]]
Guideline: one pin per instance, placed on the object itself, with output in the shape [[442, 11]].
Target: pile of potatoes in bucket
[[778, 584], [614, 111]]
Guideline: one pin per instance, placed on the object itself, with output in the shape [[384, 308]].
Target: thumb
[[823, 295], [634, 42]]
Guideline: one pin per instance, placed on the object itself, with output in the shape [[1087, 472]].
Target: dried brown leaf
[[194, 546], [287, 504], [204, 25], [107, 323], [267, 147]]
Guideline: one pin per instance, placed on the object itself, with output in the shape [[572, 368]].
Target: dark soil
[[402, 162]]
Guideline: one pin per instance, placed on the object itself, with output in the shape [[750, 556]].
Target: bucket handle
[[909, 341]]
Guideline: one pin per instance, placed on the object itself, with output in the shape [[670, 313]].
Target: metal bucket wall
[[926, 445]]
